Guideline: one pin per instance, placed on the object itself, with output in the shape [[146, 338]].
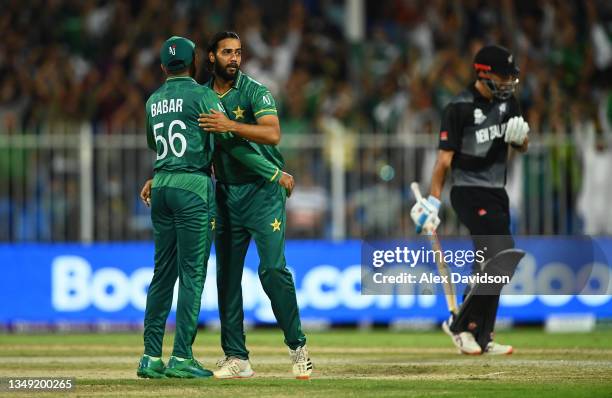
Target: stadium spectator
[[95, 62]]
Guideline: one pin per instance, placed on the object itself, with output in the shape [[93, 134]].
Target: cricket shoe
[[233, 368], [302, 365], [149, 368], [186, 369], [464, 341], [494, 348]]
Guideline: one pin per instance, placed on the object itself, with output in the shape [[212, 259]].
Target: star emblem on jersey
[[239, 113], [276, 225], [213, 224]]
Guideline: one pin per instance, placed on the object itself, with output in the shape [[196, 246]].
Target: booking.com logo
[[76, 286]]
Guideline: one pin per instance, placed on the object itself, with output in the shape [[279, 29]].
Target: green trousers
[[183, 236], [253, 210]]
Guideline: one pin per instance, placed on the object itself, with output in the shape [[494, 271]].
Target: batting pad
[[503, 263]]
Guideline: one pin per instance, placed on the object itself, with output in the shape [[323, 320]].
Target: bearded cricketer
[[248, 207], [182, 201]]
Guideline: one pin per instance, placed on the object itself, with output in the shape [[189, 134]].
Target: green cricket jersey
[[184, 150], [246, 101]]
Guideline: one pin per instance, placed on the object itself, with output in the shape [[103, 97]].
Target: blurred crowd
[[95, 61]]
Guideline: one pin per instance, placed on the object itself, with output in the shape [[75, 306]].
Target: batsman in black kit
[[479, 128]]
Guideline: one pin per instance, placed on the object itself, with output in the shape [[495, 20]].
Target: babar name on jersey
[[166, 106], [490, 133]]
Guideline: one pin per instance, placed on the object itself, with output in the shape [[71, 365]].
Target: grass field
[[347, 363]]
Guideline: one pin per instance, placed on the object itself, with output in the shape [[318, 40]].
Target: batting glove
[[425, 214], [516, 130]]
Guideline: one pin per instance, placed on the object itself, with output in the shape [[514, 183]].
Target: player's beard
[[223, 73]]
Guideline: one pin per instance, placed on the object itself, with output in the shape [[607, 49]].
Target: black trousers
[[486, 214]]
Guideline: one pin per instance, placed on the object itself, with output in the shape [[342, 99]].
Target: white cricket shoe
[[233, 368], [302, 365], [464, 341], [494, 348]]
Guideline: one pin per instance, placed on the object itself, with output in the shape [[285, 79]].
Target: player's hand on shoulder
[[287, 182], [516, 130], [425, 214], [215, 122]]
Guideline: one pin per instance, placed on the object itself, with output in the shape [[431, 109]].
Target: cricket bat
[[443, 269]]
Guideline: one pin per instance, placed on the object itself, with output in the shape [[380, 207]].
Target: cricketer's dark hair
[[213, 44], [191, 69]]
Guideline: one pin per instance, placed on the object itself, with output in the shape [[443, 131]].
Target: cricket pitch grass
[[347, 363]]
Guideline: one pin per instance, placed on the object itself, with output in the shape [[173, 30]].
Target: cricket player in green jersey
[[183, 206], [248, 207]]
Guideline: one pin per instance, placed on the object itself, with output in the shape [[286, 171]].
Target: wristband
[[434, 201]]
